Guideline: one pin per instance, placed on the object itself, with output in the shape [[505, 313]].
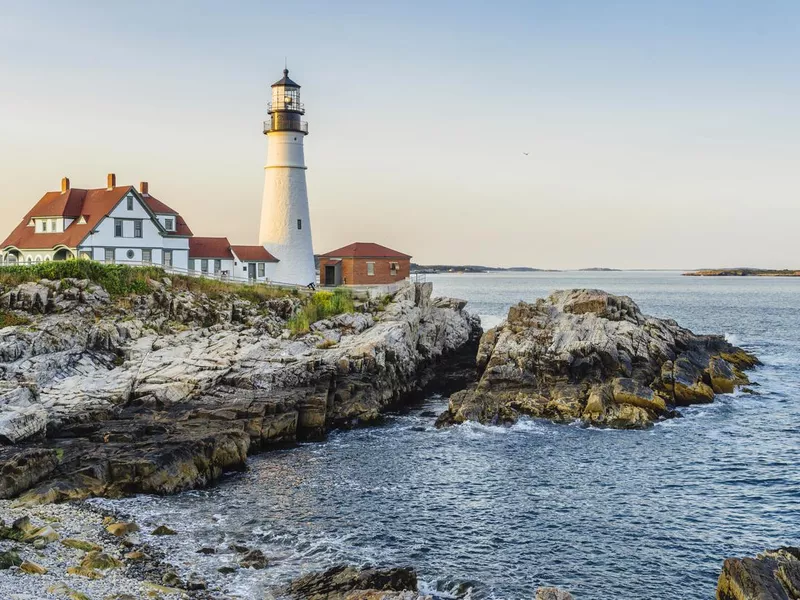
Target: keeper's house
[[363, 263], [120, 224]]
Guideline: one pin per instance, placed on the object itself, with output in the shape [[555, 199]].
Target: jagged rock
[[773, 575], [18, 423], [590, 356], [63, 590], [121, 529], [100, 561], [551, 593], [32, 568], [81, 545], [163, 530], [9, 559], [344, 581], [22, 468], [253, 559], [169, 389]]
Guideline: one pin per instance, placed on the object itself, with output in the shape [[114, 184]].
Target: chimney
[[112, 181], [144, 188], [64, 184]]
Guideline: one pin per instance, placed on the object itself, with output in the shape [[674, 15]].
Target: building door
[[251, 271], [330, 275]]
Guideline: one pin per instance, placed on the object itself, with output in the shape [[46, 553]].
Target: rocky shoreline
[[163, 392], [590, 356]]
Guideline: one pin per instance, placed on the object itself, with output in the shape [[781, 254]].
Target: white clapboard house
[[120, 224]]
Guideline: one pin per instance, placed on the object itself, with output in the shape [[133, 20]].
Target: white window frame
[[370, 269], [106, 252], [148, 252], [169, 223], [166, 258], [262, 270], [138, 228]]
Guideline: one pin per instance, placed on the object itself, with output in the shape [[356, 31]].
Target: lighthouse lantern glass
[[286, 98]]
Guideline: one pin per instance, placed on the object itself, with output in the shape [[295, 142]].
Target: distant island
[[744, 272], [603, 269], [415, 268]]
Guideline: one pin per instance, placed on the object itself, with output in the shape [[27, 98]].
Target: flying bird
[[526, 153]]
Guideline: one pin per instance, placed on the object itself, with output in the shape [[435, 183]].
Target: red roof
[[253, 254], [94, 205], [157, 206], [365, 250], [210, 247]]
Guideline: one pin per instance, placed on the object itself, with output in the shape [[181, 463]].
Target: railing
[[285, 125], [293, 106]]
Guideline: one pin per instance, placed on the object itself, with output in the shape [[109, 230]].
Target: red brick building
[[363, 263]]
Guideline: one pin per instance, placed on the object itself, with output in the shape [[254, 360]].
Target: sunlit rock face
[[591, 356], [165, 391]]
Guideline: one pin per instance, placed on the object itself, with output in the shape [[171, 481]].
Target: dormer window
[[44, 226], [169, 224]]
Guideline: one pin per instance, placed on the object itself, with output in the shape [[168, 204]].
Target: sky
[[570, 134]]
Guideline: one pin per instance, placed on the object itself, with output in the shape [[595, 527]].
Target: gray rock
[[591, 356]]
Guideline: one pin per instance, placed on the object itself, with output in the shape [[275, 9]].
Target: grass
[[321, 305], [124, 280], [8, 319]]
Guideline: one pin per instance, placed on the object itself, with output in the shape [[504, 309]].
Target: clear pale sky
[[661, 134]]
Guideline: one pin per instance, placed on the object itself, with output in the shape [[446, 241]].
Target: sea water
[[492, 512]]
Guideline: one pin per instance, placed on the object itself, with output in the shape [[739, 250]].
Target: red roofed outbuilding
[[363, 263]]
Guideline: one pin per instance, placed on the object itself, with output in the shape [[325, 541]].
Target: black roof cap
[[285, 80]]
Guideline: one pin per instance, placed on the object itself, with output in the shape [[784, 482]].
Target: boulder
[[773, 575], [591, 356], [551, 593], [344, 581]]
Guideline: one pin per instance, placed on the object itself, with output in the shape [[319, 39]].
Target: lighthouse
[[285, 221]]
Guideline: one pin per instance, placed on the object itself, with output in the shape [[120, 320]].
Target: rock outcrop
[[588, 355], [349, 583], [164, 391], [773, 575]]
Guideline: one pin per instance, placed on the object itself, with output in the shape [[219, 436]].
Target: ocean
[[492, 512]]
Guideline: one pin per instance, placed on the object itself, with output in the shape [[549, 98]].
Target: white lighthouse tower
[[285, 220]]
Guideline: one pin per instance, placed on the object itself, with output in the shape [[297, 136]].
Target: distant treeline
[[744, 272]]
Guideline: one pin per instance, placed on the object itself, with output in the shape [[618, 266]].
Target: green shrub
[[321, 305], [123, 280]]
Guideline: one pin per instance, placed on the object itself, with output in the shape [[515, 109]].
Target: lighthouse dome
[[285, 81]]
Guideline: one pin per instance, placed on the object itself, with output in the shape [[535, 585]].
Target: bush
[[321, 305]]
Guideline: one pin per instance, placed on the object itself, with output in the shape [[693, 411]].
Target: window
[[370, 269], [109, 256], [169, 224], [117, 227], [166, 258], [262, 269], [191, 265], [393, 268], [147, 256], [217, 266], [137, 228], [44, 226], [299, 223], [129, 254], [204, 266], [86, 255], [130, 202], [30, 260], [53, 225]]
